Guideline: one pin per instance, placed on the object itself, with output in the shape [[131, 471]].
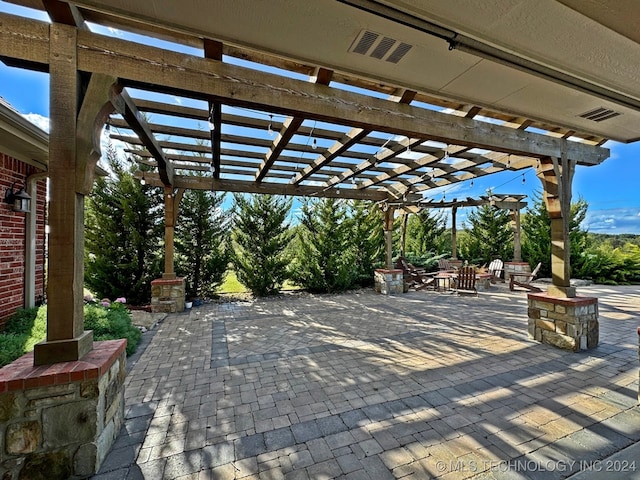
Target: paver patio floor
[[365, 386]]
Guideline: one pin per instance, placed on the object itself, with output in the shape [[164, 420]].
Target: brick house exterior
[[22, 235]]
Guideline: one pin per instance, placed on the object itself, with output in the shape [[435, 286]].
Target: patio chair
[[445, 266], [524, 280], [414, 277], [466, 281], [495, 269]]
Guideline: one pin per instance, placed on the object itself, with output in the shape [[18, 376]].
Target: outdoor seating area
[[362, 385]]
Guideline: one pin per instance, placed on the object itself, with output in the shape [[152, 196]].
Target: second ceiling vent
[[379, 46]]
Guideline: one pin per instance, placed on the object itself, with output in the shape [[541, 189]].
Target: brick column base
[[59, 421], [567, 323]]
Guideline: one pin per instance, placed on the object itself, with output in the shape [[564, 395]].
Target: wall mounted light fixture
[[20, 200]]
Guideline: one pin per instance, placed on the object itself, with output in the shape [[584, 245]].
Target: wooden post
[[66, 339], [454, 233], [556, 176], [517, 246], [387, 213], [403, 234], [169, 227]]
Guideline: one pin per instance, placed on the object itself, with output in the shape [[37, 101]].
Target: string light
[[269, 129], [524, 180], [212, 125], [143, 182], [471, 183], [314, 144], [353, 180]]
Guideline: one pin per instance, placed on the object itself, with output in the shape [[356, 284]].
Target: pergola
[[379, 101]]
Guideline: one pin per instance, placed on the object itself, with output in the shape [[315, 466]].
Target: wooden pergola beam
[[171, 72], [272, 188], [321, 76], [125, 107]]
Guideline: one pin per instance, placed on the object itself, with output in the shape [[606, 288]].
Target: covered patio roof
[[357, 98]]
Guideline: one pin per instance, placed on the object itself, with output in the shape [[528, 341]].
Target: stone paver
[[366, 386]]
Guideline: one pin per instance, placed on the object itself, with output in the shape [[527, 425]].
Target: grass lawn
[[231, 284]]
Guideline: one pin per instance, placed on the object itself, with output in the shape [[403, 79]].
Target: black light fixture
[[20, 199]]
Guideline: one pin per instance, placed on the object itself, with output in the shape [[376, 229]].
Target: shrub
[[27, 327], [112, 322]]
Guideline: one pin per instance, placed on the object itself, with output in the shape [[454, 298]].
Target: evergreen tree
[[536, 227], [489, 237], [261, 236], [202, 234], [367, 239], [123, 235], [324, 257], [425, 233]]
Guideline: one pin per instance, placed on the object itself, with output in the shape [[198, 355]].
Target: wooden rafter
[[291, 125], [125, 107]]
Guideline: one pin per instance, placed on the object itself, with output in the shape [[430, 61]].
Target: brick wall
[[12, 238]]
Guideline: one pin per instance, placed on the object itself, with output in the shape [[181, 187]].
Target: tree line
[[330, 246]]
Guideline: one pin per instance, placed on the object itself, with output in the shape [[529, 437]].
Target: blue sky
[[611, 189]]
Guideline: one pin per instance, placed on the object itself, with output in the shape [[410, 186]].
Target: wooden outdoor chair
[[524, 280], [445, 266], [466, 281], [495, 269], [416, 278]]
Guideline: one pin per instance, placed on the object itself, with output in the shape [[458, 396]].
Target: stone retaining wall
[[389, 281], [567, 323], [59, 421]]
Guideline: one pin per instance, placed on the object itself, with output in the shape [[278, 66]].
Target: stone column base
[[167, 295], [389, 281], [567, 323], [516, 268], [59, 421]]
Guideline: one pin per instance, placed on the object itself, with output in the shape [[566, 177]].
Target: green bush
[[27, 327], [112, 322]]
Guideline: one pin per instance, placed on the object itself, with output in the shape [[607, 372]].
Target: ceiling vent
[[379, 46], [600, 114]]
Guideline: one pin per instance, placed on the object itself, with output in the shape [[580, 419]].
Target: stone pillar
[[567, 323], [389, 281], [167, 295], [516, 268], [59, 421]]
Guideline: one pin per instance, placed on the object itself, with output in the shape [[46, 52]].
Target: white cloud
[[38, 120]]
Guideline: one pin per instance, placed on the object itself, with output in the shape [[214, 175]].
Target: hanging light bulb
[[270, 130], [107, 127], [143, 182], [524, 180], [353, 180], [471, 183], [212, 167], [509, 162], [314, 144], [212, 126]]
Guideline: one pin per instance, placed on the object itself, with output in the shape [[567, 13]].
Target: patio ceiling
[[487, 86]]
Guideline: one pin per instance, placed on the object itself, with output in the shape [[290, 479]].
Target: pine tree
[[123, 234], [261, 236], [489, 237], [202, 235], [536, 227], [367, 239], [425, 233], [324, 257]]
